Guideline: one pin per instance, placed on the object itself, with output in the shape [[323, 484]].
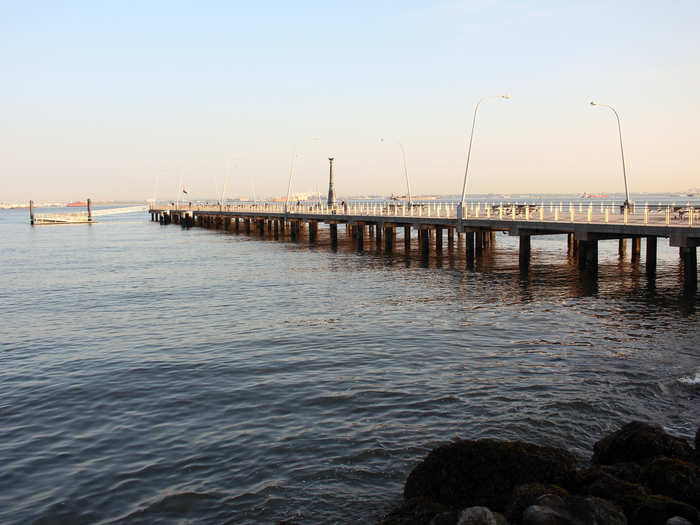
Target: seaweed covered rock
[[659, 509], [639, 441], [416, 511], [477, 516], [677, 479], [526, 495], [470, 473], [599, 482], [573, 510]]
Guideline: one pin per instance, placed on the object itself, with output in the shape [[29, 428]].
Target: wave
[[691, 380]]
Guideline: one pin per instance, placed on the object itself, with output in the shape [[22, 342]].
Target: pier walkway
[[438, 222]]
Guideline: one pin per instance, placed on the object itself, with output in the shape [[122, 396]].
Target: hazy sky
[[122, 100]]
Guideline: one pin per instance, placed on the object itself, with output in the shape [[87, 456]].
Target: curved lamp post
[[291, 174], [405, 171], [460, 206], [622, 151]]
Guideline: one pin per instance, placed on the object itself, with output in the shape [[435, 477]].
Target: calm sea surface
[[150, 374]]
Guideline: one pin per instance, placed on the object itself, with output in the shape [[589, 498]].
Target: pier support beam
[[588, 256], [636, 249], [689, 260], [622, 247], [313, 231], [450, 239], [334, 236], [524, 253], [389, 235], [360, 233], [479, 242], [651, 257], [469, 243], [407, 238], [378, 236], [276, 229], [438, 239], [424, 241], [247, 226]]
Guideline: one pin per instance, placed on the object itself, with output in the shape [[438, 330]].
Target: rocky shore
[[639, 475]]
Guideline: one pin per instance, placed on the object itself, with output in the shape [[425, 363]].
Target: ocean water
[[153, 374]]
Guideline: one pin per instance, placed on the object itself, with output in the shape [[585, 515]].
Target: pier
[[438, 224]]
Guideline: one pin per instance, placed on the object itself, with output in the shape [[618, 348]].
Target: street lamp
[[460, 206], [622, 151], [291, 174], [405, 171]]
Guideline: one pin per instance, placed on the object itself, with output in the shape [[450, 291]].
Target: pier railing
[[603, 212]]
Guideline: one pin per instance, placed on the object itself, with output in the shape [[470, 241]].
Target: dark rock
[[477, 516], [677, 520], [416, 511], [527, 495], [639, 441], [597, 481], [484, 472], [674, 478], [446, 518], [500, 518], [659, 509], [573, 510]]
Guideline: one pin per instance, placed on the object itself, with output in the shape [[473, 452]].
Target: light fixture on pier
[[460, 206], [622, 151], [405, 170]]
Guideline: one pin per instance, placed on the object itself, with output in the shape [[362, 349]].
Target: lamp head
[[507, 96], [593, 103]]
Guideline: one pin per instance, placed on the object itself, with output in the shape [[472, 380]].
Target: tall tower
[[331, 186]]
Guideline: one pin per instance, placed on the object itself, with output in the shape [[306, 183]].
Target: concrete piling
[[651, 256], [689, 261], [524, 252], [636, 249]]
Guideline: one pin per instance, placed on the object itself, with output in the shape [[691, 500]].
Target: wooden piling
[[438, 239], [407, 238], [89, 210], [622, 248], [31, 213]]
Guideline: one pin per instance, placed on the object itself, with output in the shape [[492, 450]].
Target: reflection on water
[[153, 373]]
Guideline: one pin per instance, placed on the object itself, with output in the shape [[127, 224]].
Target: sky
[[133, 100]]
